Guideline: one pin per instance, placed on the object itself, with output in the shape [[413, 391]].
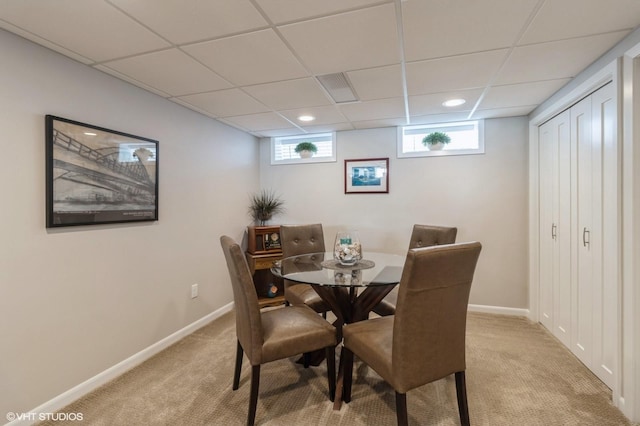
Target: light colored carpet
[[517, 374]]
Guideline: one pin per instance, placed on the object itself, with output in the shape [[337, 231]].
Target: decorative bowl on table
[[347, 248]]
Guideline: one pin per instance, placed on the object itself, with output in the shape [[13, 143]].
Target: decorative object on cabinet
[[366, 176], [96, 175], [264, 205], [306, 149], [436, 141], [264, 239]]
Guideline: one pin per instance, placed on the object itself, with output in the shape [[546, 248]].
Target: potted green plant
[[306, 149], [264, 205], [436, 141]]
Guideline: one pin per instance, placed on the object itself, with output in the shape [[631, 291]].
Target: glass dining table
[[351, 291]]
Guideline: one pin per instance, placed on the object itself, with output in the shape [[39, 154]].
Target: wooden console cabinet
[[263, 250]]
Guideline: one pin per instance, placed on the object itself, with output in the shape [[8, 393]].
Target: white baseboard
[[111, 373], [499, 310]]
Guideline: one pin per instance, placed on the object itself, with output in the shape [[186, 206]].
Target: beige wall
[[77, 301], [485, 196]]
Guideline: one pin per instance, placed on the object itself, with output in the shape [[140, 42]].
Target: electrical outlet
[[194, 291]]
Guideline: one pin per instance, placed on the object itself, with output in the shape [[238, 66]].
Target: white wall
[[76, 301], [485, 196]]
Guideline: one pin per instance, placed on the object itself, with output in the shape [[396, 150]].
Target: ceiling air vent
[[338, 87]]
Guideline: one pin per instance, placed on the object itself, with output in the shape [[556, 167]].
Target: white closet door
[[564, 236], [555, 229], [548, 179], [579, 231], [604, 235], [583, 283]]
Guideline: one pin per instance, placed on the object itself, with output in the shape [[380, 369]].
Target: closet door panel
[[605, 234], [581, 136], [563, 233], [548, 166], [555, 234]]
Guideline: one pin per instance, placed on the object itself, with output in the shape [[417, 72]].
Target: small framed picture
[[366, 176], [272, 241]]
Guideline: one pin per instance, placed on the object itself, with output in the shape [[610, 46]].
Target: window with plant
[[456, 138], [292, 149]]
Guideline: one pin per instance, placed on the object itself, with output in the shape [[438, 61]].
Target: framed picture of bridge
[[97, 176]]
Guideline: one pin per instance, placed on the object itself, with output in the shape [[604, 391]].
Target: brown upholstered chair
[[425, 340], [297, 240], [271, 335], [421, 236]]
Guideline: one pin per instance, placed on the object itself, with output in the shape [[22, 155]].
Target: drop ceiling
[[254, 64]]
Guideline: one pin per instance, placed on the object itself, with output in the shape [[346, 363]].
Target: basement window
[[467, 137], [283, 148]]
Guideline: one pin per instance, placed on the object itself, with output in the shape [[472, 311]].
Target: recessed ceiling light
[[90, 134], [306, 118], [453, 102]]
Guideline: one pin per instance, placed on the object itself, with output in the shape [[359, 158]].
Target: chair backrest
[[431, 313], [248, 319], [301, 239], [428, 235]]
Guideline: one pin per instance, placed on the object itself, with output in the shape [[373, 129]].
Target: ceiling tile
[[188, 21], [291, 131], [171, 71], [377, 83], [252, 58], [324, 115], [304, 92], [587, 18], [453, 73], [225, 103], [374, 110], [364, 38], [436, 28], [387, 122], [503, 112], [553, 60], [525, 94], [432, 104], [280, 11], [439, 118], [262, 121], [335, 127], [92, 23]]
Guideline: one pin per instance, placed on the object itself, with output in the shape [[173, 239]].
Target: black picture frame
[[98, 176], [366, 176]]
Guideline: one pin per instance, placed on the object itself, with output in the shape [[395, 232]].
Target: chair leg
[[236, 374], [461, 391], [347, 365], [253, 399], [401, 409], [331, 371]]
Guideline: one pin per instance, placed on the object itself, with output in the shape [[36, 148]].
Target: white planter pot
[[306, 154], [435, 147]]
